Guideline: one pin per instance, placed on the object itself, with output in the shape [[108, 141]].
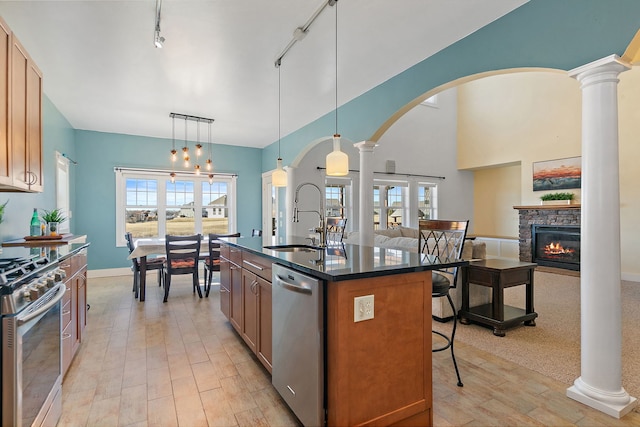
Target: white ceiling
[[103, 73]]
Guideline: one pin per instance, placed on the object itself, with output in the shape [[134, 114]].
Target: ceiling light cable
[[337, 162], [279, 176]]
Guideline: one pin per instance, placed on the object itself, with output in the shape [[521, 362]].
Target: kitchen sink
[[293, 248]]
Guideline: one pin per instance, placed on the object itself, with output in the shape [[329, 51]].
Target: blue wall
[[98, 153]]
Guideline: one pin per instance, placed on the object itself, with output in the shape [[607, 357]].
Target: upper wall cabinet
[[21, 114]]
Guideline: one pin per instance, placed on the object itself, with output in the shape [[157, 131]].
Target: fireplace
[[556, 246]]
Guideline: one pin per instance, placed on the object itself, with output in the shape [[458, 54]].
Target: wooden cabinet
[[245, 298], [74, 306], [21, 167]]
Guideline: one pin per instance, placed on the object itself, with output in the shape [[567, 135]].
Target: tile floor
[[181, 364]]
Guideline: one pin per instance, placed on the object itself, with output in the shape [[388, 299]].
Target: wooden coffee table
[[498, 274]]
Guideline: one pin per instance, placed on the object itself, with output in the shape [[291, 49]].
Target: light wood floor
[[181, 364]]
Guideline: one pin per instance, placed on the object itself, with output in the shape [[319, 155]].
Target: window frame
[[122, 174], [384, 186], [345, 186]]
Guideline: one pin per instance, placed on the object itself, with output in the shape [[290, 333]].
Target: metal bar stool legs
[[449, 341]]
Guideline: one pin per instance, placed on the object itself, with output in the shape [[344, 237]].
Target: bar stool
[[444, 239]]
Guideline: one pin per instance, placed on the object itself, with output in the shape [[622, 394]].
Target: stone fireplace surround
[[543, 215]]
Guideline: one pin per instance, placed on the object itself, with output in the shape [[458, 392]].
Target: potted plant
[[53, 219], [557, 198], [2, 211]]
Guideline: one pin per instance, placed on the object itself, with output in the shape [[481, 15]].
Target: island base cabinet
[[245, 298], [379, 370]]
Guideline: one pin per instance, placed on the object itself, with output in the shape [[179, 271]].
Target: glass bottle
[[35, 223]]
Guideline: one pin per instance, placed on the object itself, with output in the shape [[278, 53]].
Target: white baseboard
[[109, 272], [630, 277]]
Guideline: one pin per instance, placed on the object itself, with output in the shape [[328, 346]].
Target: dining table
[[155, 246]]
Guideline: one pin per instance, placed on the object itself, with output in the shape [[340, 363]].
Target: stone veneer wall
[[543, 215]]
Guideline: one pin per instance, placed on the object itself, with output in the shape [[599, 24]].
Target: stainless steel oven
[[31, 348]]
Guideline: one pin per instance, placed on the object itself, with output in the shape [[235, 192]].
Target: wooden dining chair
[[444, 239], [212, 260], [183, 255], [152, 264], [335, 229]]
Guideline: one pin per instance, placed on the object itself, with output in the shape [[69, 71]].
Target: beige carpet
[[552, 347]]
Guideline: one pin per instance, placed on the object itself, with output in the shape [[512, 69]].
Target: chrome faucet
[[321, 228]]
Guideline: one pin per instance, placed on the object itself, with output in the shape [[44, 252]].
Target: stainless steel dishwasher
[[298, 343]]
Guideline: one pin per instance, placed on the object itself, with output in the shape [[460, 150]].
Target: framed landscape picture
[[557, 174]]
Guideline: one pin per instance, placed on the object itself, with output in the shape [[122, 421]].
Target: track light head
[[158, 40]]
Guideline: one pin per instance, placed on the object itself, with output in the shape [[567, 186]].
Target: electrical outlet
[[363, 308]]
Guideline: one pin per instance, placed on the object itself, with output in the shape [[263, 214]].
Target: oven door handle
[[60, 294]]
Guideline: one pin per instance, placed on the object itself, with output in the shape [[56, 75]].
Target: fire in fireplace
[[556, 246]]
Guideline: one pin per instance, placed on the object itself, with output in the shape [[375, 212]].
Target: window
[[62, 191], [390, 204], [427, 201], [148, 204], [338, 197], [432, 101]]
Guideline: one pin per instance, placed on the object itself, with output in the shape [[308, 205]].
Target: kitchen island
[[376, 371]]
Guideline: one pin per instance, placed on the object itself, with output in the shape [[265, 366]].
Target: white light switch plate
[[363, 308]]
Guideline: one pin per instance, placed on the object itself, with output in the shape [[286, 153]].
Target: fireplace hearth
[[556, 246]]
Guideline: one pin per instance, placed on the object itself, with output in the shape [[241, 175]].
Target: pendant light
[[337, 162], [279, 176]]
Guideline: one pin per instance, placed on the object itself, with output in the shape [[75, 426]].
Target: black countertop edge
[[303, 262]]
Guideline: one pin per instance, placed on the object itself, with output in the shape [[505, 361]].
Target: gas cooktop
[[12, 269]]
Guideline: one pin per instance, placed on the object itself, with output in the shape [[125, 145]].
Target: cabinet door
[[264, 323], [82, 303], [67, 348], [235, 315], [75, 338], [5, 141], [18, 106], [250, 289], [34, 128], [225, 285]]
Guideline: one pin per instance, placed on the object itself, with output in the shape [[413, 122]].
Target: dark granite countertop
[[346, 261], [53, 253]]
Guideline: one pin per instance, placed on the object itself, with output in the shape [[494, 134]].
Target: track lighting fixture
[[158, 40]]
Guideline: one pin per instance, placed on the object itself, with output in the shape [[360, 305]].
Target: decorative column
[[600, 381], [365, 217]]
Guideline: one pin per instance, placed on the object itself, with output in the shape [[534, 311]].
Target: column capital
[[365, 145], [601, 70]]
